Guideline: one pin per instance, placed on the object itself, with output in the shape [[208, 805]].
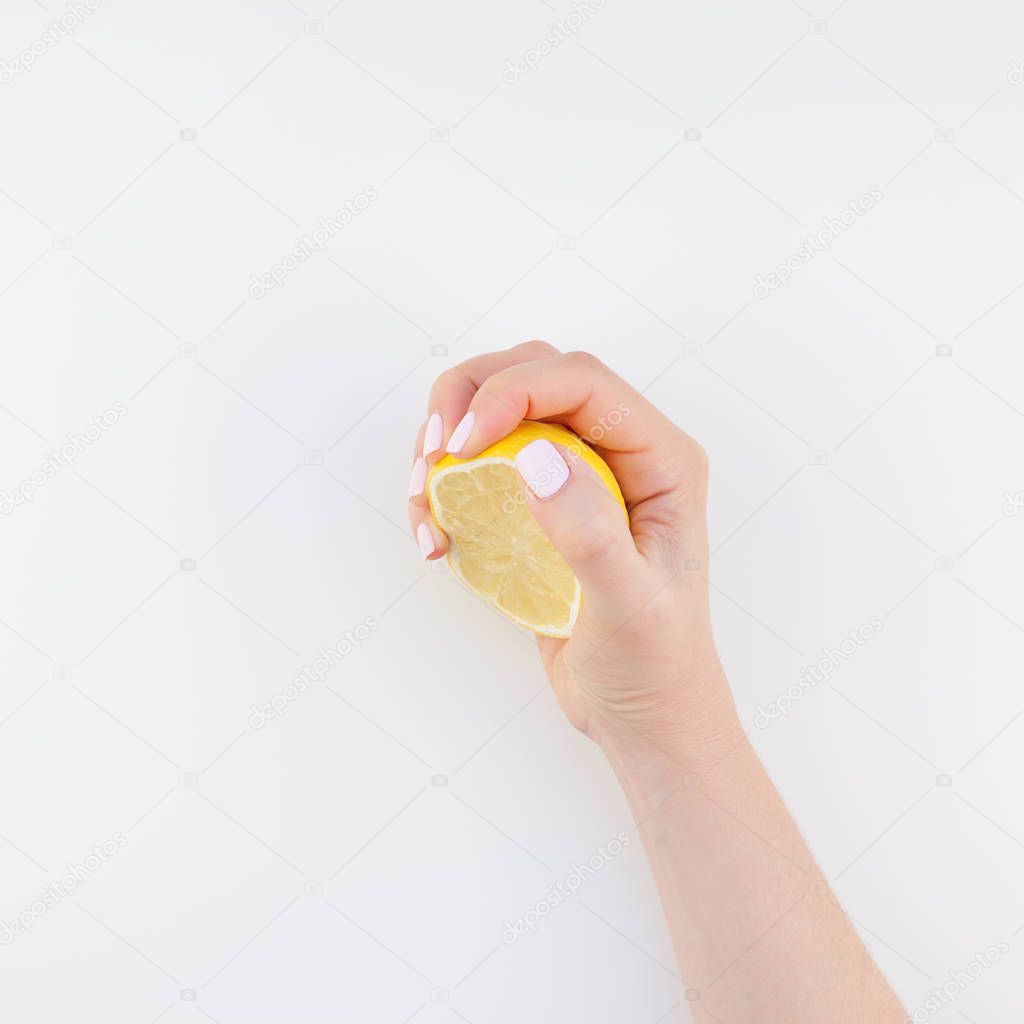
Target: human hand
[[640, 666], [640, 675]]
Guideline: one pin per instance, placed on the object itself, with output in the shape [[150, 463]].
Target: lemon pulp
[[495, 545]]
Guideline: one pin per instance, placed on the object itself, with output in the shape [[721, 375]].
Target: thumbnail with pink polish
[[543, 469]]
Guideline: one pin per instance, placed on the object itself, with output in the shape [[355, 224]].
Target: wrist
[[688, 741]]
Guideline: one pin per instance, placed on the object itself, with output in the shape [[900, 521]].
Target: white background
[[860, 468]]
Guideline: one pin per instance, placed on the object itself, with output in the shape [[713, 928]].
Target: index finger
[[454, 389], [577, 389]]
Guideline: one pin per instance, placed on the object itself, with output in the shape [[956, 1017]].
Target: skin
[[757, 933]]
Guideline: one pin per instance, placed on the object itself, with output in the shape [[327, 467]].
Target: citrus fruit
[[495, 545]]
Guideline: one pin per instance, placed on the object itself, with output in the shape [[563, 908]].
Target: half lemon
[[495, 545]]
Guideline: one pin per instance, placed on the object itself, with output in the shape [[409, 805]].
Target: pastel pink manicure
[[425, 539], [461, 433], [543, 469], [433, 435], [418, 480]]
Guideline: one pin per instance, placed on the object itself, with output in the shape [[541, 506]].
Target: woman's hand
[[755, 931], [640, 667]]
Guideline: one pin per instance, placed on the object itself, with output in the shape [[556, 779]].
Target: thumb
[[582, 519]]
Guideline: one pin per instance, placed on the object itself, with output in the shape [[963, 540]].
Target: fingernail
[[461, 434], [543, 469], [418, 479], [425, 539], [433, 434]]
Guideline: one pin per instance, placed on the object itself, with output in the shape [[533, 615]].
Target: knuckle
[[537, 347], [690, 457], [444, 381], [584, 362], [452, 385], [491, 389], [699, 458], [590, 545]]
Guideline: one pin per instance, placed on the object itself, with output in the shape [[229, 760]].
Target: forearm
[[757, 932]]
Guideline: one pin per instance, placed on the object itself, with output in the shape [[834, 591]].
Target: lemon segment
[[495, 545]]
